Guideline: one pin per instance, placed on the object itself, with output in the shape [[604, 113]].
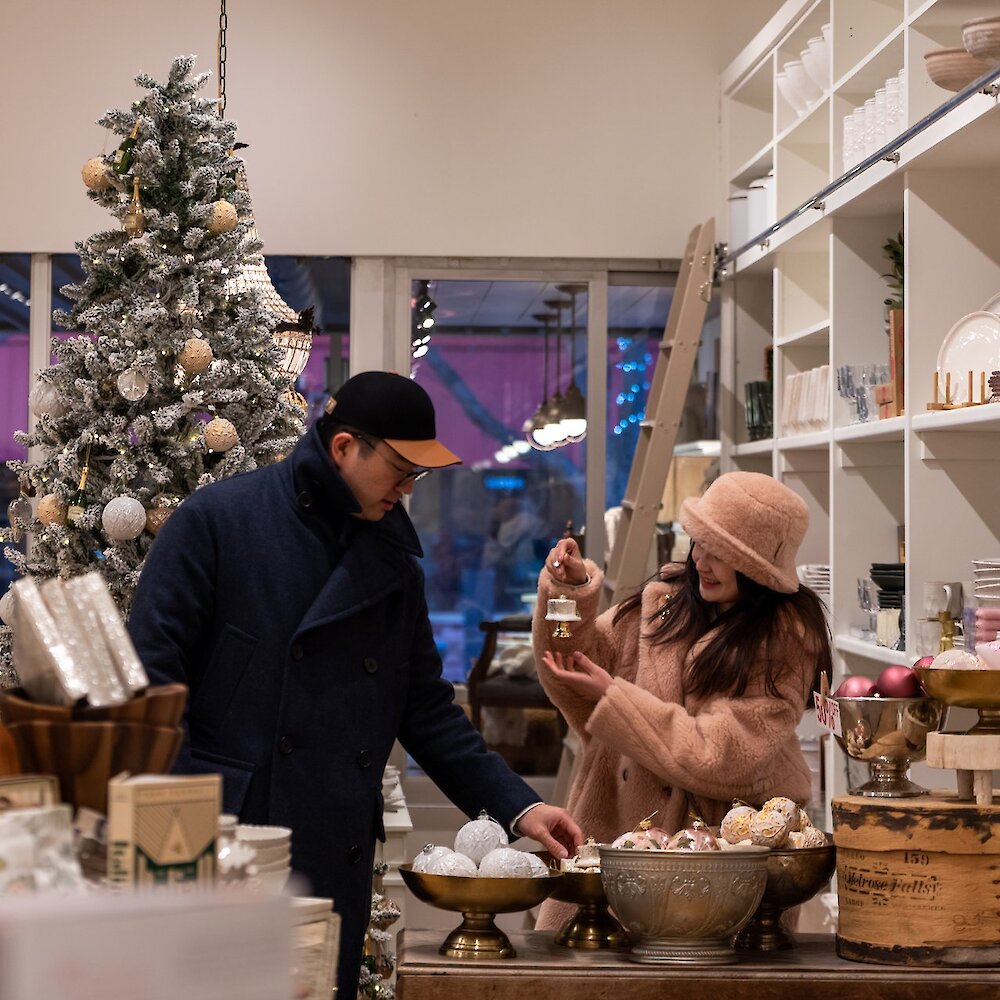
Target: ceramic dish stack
[[816, 576], [986, 586], [272, 846], [890, 578]]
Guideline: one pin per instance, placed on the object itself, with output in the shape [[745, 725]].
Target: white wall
[[583, 128]]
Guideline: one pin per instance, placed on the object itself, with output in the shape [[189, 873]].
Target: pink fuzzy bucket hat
[[753, 523]]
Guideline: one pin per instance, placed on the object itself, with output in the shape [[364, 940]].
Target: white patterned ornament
[[123, 518], [196, 355], [222, 219], [45, 400], [7, 608], [451, 863], [220, 435], [51, 510], [133, 385], [431, 852], [480, 836], [505, 862]]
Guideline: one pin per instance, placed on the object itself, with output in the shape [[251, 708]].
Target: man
[[290, 601]]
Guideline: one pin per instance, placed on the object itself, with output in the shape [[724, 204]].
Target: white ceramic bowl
[[815, 63], [981, 38], [791, 95], [802, 82], [272, 882], [280, 864], [268, 855], [263, 836], [954, 69]]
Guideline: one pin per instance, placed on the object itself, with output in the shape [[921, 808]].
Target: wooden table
[[544, 971]]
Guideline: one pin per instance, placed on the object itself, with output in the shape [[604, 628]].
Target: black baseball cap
[[395, 409]]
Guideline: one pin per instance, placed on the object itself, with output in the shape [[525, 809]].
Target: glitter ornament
[[222, 219], [196, 356], [505, 862], [220, 435], [736, 823], [809, 837], [7, 608], [20, 509], [51, 510], [123, 518], [95, 174], [451, 863], [480, 836], [693, 838], [431, 852], [45, 400], [769, 829], [539, 869], [134, 222], [132, 385], [787, 808], [156, 518]]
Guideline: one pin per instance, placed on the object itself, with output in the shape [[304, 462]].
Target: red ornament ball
[[924, 661], [855, 687], [898, 681]]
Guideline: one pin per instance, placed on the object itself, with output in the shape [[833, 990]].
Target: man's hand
[[553, 828]]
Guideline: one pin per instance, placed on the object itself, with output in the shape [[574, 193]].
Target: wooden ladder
[[664, 407]]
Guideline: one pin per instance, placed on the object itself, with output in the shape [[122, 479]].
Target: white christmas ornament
[[45, 400], [123, 518], [539, 869], [505, 862], [222, 219], [196, 356], [220, 435], [7, 608], [451, 863], [132, 385], [431, 852], [480, 836]]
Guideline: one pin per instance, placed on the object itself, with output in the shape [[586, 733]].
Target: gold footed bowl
[[592, 926], [479, 900], [684, 907], [979, 689], [794, 875]]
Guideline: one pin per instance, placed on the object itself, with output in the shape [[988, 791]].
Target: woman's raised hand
[[565, 564], [579, 672]]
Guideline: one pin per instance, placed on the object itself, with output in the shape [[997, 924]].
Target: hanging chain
[[223, 24]]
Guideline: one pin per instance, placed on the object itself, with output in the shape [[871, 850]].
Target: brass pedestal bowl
[[479, 900], [592, 926], [684, 907], [979, 689], [793, 877], [888, 734]]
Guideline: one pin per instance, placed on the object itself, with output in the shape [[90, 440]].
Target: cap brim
[[427, 454]]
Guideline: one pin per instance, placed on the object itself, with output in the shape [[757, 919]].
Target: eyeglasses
[[413, 476]]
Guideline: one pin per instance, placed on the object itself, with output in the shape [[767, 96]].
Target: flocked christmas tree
[[176, 381]]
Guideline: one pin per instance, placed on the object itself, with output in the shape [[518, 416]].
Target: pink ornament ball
[[898, 681], [855, 686]]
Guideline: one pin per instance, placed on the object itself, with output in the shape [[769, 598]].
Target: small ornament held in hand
[[220, 435], [561, 610]]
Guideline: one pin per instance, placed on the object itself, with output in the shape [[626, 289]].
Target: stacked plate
[[890, 578], [272, 846], [816, 576], [986, 586]]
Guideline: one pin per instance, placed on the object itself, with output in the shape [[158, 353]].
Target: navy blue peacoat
[[303, 635]]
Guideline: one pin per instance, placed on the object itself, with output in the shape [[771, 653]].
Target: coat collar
[[320, 491]]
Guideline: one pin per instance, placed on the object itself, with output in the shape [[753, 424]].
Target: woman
[[687, 695]]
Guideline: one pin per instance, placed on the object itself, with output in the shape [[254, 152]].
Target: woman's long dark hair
[[745, 634]]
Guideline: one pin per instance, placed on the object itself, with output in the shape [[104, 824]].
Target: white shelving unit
[[811, 293]]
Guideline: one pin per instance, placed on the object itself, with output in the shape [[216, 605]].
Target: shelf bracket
[[892, 157]]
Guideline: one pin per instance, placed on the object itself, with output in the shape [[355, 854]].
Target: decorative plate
[[972, 344]]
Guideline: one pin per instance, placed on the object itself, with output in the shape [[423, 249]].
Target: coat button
[[365, 758], [354, 854], [286, 745], [625, 774], [297, 651], [305, 499], [370, 664]]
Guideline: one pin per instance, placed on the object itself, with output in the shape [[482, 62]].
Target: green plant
[[893, 251]]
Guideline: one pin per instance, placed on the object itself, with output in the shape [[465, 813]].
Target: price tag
[[828, 713]]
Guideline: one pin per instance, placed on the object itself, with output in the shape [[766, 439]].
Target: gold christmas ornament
[[134, 222], [157, 518], [123, 518], [196, 355], [51, 510], [222, 219], [95, 174], [220, 435]]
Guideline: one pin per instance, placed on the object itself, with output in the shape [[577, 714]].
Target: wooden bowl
[[981, 38], [954, 69]]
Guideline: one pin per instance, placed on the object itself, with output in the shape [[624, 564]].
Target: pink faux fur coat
[[649, 748]]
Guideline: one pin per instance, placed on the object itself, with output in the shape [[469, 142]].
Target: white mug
[[941, 595]]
